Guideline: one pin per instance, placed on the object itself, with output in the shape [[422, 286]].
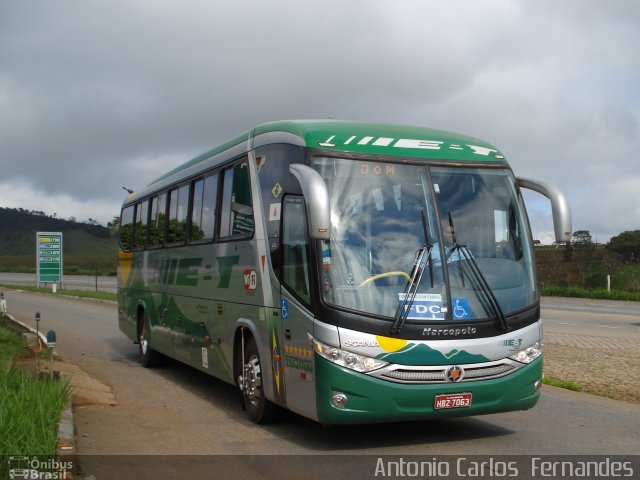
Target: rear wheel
[[148, 357], [259, 409]]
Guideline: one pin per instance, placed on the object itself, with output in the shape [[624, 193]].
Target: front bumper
[[372, 400]]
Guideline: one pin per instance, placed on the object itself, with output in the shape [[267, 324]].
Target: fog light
[[339, 400], [537, 386]]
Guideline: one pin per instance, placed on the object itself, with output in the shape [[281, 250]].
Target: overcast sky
[[95, 95]]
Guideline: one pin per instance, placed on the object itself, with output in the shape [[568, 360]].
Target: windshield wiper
[[423, 255], [429, 245], [494, 305]]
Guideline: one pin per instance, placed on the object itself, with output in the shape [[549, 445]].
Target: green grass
[[11, 344], [31, 406], [74, 293], [74, 264], [555, 382], [600, 294]]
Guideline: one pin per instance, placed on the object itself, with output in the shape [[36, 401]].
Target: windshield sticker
[[276, 190], [274, 211], [326, 256], [426, 306], [461, 309]]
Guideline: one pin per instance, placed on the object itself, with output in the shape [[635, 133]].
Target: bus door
[[295, 298]]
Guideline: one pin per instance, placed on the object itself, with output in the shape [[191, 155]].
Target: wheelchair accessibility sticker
[[461, 308]]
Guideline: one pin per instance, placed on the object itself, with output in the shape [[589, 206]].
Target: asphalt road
[[595, 318], [178, 410]]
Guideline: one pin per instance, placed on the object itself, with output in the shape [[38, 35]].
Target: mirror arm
[[316, 197], [559, 206]]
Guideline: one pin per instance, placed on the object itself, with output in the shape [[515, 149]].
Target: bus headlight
[[529, 354], [353, 361]]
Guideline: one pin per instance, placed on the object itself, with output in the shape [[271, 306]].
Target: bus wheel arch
[[249, 377]]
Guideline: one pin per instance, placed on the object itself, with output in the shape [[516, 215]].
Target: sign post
[[51, 343], [49, 257]]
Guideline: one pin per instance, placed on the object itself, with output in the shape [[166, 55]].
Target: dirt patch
[[85, 389], [607, 367]]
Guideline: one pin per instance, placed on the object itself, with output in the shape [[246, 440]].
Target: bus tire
[[259, 409], [148, 357]]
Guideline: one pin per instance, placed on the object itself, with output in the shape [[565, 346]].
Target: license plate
[[457, 400]]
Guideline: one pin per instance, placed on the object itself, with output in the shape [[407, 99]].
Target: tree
[[114, 226], [581, 237], [627, 245]]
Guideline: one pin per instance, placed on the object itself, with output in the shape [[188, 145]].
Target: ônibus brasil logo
[[39, 468]]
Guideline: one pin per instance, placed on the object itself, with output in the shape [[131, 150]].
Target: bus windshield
[[388, 219]]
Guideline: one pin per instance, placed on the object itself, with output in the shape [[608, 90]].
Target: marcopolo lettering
[[434, 332]]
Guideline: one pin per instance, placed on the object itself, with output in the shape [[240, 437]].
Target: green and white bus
[[349, 272]]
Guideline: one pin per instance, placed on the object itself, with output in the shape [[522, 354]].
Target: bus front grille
[[438, 374]]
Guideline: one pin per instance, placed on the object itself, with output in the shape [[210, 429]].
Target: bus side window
[[196, 211], [156, 220], [203, 211], [126, 228], [236, 212], [209, 199], [295, 256], [173, 208], [178, 209], [142, 217]]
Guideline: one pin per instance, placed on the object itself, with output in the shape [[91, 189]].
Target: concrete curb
[[42, 337], [66, 430], [66, 443]]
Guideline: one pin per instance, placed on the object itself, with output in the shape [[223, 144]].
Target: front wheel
[[148, 357], [259, 409]]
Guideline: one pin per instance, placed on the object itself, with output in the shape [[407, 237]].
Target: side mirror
[[316, 197], [559, 206]]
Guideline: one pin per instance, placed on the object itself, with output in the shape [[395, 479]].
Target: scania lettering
[[349, 272]]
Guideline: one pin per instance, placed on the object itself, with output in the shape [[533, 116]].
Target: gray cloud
[[96, 95]]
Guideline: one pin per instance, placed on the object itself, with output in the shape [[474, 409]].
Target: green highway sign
[[49, 257]]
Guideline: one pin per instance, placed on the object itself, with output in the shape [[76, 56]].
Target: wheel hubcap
[[144, 343], [252, 380]]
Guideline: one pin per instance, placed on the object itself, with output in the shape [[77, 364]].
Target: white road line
[[604, 326], [565, 323]]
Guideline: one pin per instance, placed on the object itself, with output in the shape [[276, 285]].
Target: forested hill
[[18, 229]]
